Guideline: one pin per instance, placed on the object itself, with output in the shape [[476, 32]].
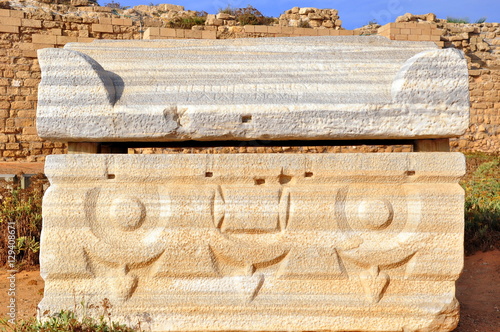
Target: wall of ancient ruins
[[25, 30]]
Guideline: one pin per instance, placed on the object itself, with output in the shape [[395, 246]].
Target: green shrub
[[21, 217], [451, 19], [464, 20], [247, 15], [187, 22], [228, 10], [65, 321], [69, 320], [482, 202], [115, 5]]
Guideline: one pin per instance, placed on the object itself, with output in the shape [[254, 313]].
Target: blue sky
[[353, 13]]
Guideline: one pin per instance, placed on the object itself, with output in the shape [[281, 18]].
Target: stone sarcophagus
[[255, 242]]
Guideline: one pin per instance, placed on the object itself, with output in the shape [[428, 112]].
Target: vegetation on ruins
[[115, 5], [70, 321], [464, 20], [248, 15], [187, 22], [244, 16], [451, 19]]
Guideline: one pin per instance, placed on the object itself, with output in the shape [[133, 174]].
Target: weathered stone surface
[[168, 7], [269, 88], [261, 242]]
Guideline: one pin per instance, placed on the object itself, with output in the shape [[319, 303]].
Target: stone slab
[[351, 87], [256, 242]]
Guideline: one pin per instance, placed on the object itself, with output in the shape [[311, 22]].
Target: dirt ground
[[26, 168], [478, 291]]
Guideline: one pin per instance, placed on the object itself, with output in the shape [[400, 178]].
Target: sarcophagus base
[[257, 242]]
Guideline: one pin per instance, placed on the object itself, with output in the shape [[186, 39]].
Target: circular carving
[[127, 223], [369, 210], [375, 213], [127, 213], [383, 219]]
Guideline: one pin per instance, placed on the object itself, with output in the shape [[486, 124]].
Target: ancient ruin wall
[[25, 30]]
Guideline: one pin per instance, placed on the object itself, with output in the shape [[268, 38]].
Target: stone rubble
[[309, 17]]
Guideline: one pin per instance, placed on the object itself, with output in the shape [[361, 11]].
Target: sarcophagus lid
[[245, 89]]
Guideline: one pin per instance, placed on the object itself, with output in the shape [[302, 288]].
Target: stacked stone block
[[412, 31], [481, 44], [246, 31]]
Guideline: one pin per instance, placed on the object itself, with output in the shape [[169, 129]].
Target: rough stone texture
[[280, 88], [311, 18], [262, 242]]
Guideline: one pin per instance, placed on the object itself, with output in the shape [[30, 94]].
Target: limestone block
[[9, 29], [32, 23], [224, 16], [12, 21], [43, 39], [328, 24], [307, 10], [217, 22], [313, 88], [315, 16], [257, 242], [79, 3], [168, 7], [315, 23], [102, 28]]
